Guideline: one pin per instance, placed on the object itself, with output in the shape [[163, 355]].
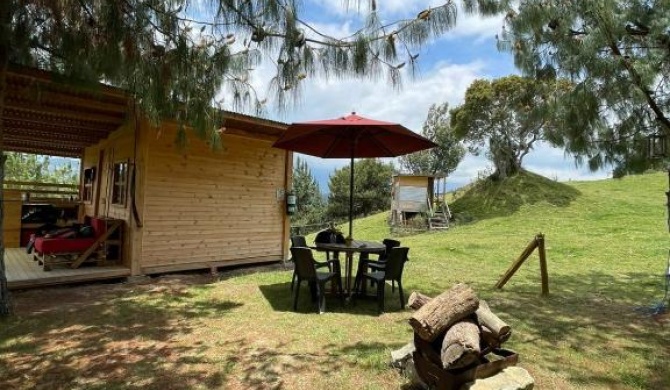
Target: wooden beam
[[23, 75], [517, 264], [46, 138], [111, 228], [543, 264], [43, 125], [40, 117], [51, 150], [70, 113], [51, 96]]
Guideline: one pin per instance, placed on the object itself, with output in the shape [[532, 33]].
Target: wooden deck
[[23, 272]]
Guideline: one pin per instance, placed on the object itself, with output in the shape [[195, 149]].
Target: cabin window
[[120, 180], [89, 179]]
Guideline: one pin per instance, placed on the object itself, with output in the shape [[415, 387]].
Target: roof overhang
[[45, 114]]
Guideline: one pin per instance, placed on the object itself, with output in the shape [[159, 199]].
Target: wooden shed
[[416, 199], [182, 207]]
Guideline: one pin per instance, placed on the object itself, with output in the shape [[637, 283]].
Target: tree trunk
[[5, 303], [444, 310], [460, 347]]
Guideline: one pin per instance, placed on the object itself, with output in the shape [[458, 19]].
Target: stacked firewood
[[456, 327]]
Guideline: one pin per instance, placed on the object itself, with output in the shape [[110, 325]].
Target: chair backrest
[[298, 241], [395, 262], [389, 244], [304, 262]]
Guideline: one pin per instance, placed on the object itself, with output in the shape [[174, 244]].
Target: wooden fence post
[[537, 242], [543, 264], [515, 266]]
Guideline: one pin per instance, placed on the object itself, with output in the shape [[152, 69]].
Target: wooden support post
[[111, 228], [538, 242], [543, 264], [515, 266]]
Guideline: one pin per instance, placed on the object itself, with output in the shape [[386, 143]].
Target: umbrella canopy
[[352, 136]]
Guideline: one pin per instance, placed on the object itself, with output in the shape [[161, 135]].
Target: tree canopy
[[372, 189], [311, 206], [442, 159], [617, 54], [27, 167], [507, 117]]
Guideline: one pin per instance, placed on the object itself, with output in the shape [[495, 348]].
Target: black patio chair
[[306, 269], [393, 269], [301, 242], [380, 263]]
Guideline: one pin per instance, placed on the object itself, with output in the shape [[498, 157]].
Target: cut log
[[498, 328], [460, 347], [444, 310], [417, 300]]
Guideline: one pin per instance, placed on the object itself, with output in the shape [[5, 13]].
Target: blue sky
[[447, 67]]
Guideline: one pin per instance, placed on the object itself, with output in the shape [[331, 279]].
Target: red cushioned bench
[[74, 251]]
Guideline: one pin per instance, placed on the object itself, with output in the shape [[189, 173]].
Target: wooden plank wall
[[11, 218], [205, 208]]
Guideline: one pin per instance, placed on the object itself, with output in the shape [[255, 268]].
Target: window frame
[[120, 180], [88, 185]]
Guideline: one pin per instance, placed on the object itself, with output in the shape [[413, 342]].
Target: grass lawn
[[606, 246]]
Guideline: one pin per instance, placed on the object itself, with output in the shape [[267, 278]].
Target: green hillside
[[607, 245]]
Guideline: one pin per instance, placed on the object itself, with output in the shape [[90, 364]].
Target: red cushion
[[99, 226], [62, 245]]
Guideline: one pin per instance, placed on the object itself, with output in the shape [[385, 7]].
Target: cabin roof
[[43, 114]]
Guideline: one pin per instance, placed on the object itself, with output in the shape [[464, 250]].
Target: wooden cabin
[[182, 208], [418, 201]]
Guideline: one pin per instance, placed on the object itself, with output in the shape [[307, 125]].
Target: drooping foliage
[[442, 159], [507, 117], [311, 206], [372, 189], [617, 53]]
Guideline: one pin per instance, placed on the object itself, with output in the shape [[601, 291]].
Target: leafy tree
[[442, 159], [35, 168], [311, 206], [507, 116], [616, 52], [372, 189], [175, 56]]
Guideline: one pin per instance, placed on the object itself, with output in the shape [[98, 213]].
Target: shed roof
[[419, 175], [44, 115]]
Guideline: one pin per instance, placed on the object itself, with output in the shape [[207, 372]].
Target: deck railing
[[36, 192]]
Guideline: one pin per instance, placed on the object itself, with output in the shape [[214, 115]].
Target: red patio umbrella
[[351, 136]]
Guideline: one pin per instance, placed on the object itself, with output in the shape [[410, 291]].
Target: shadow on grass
[[587, 324], [281, 297], [265, 367], [114, 342]]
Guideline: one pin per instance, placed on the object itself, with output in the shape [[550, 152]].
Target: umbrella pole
[[351, 196]]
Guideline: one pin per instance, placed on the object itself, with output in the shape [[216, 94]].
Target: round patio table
[[356, 246]]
